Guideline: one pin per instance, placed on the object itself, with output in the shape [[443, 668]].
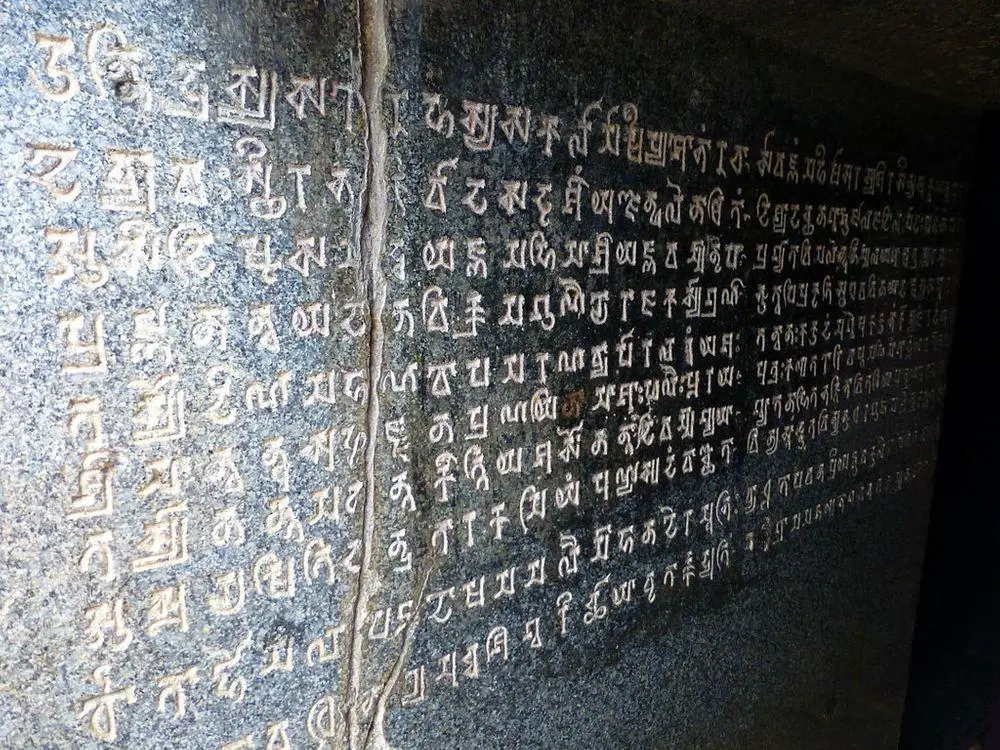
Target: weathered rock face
[[185, 349], [452, 375]]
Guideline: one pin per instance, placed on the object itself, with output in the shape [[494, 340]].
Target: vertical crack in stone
[[375, 732], [374, 52]]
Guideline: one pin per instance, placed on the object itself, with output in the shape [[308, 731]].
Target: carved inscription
[[618, 368], [645, 361], [208, 341]]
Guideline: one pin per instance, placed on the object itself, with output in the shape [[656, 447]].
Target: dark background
[[954, 679]]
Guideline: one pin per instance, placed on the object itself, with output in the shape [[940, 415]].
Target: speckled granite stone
[[461, 375]]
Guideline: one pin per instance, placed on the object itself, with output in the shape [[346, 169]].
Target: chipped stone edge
[[375, 733], [372, 29], [373, 47]]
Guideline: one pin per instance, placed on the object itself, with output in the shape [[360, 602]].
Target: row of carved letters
[[249, 99], [702, 255], [114, 68], [322, 318], [167, 422], [470, 528], [851, 327], [658, 148], [99, 710], [798, 435], [604, 591], [819, 397], [712, 208], [129, 185], [855, 255], [86, 347], [186, 249], [128, 182], [804, 367], [170, 543]]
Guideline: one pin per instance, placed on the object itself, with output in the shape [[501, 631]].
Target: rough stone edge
[[372, 23], [373, 47]]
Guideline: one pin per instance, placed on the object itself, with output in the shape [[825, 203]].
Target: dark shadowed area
[[955, 670]]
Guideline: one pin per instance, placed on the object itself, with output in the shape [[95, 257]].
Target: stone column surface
[[447, 375]]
